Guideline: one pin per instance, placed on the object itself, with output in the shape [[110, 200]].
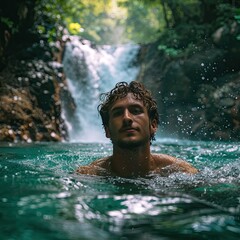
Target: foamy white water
[[91, 71]]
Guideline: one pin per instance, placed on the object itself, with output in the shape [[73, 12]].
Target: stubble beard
[[130, 144]]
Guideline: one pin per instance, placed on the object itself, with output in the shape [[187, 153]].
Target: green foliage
[[9, 23], [52, 16], [178, 24], [143, 22], [227, 14], [120, 21], [185, 39], [189, 37], [102, 22], [237, 18], [74, 28], [171, 52]]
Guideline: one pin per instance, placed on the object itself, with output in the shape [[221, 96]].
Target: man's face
[[129, 124]]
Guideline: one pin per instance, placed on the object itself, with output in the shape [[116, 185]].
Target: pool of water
[[42, 198]]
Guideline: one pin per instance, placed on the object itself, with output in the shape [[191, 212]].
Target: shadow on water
[[42, 198]]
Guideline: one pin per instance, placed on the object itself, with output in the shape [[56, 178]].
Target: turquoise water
[[42, 198]]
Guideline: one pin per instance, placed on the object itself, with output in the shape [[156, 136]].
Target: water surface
[[42, 198]]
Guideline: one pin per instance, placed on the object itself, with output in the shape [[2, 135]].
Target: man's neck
[[131, 162]]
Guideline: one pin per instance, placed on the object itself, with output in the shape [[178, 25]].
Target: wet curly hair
[[120, 90]]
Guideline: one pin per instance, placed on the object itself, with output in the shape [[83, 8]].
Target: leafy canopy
[[177, 23], [101, 21]]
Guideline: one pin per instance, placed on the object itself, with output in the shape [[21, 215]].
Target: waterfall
[[89, 72]]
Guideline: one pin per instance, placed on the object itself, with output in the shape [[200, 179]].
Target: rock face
[[198, 94], [221, 118], [30, 84], [30, 106]]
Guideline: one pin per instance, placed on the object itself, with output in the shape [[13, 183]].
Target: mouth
[[128, 129]]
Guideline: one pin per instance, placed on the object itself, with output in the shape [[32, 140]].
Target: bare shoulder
[[98, 167], [168, 164]]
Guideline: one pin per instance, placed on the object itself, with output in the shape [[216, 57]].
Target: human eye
[[117, 112], [136, 110]]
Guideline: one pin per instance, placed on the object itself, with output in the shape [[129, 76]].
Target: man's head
[[121, 90]]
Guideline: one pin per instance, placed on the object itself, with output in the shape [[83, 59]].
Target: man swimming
[[130, 119]]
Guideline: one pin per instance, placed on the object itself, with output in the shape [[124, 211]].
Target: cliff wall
[[198, 93]]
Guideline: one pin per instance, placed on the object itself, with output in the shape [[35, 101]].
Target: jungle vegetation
[[118, 21]]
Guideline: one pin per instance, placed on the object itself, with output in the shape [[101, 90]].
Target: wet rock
[[203, 88], [227, 102], [30, 104], [30, 84], [7, 134], [222, 112]]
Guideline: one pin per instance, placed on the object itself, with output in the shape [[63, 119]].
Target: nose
[[127, 117]]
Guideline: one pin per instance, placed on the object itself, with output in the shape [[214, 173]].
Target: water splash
[[39, 188], [91, 71]]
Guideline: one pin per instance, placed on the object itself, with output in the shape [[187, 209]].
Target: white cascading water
[[89, 72]]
